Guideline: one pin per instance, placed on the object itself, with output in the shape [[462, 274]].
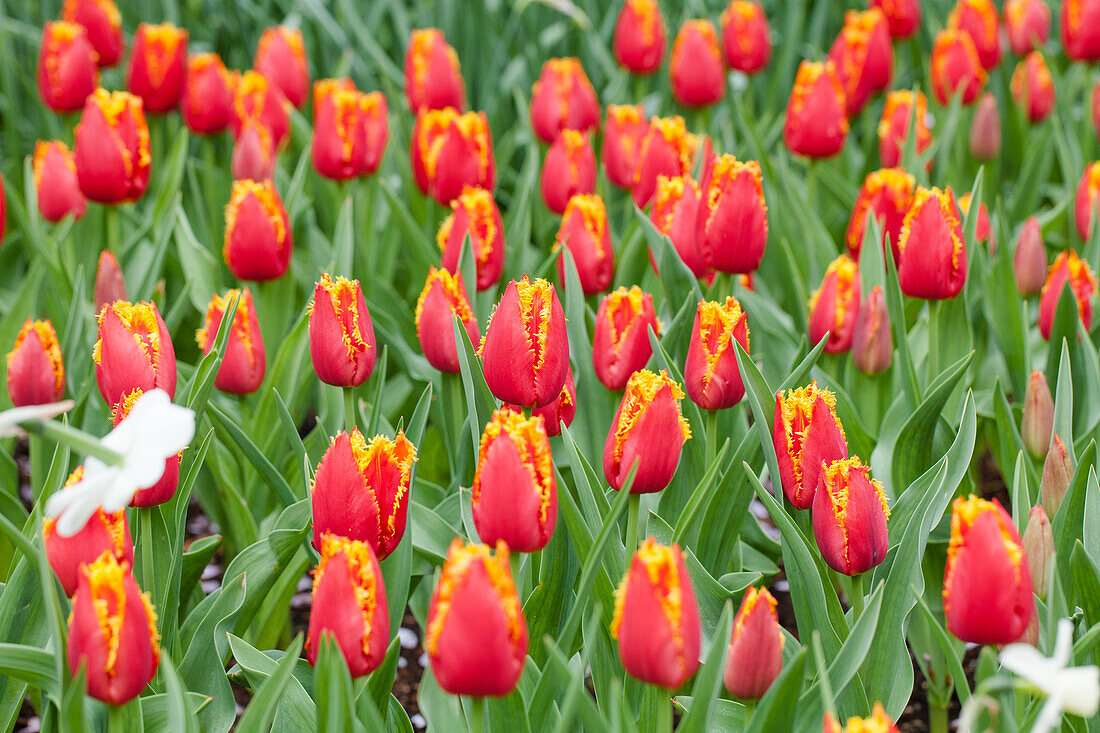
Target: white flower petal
[[74, 505], [1050, 716], [154, 427], [1027, 662], [10, 419], [1063, 643], [1080, 690]]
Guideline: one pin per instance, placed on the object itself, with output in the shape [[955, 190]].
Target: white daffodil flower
[[154, 431], [1074, 690], [10, 419]]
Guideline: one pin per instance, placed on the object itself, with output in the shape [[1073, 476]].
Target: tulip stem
[[632, 525], [477, 714], [349, 409], [116, 718], [83, 442], [515, 560], [111, 224], [937, 716], [855, 599], [664, 721], [712, 438]]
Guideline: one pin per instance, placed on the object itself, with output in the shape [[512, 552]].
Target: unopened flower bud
[[1057, 473], [985, 131], [1039, 548], [1038, 421]]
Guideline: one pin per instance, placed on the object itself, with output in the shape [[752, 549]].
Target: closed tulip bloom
[[109, 282], [165, 487], [1070, 269], [254, 153], [1028, 23], [817, 123], [525, 349], [349, 604], [244, 360], [256, 98], [341, 334], [863, 57], [67, 70], [877, 722], [886, 195], [450, 151], [433, 78], [902, 16], [361, 490], [932, 251], [474, 214], [1029, 263], [893, 129], [987, 583], [849, 515], [586, 234], [712, 378], [807, 438], [835, 305], [560, 411], [620, 345], [1033, 88], [476, 637], [732, 223], [674, 213], [639, 41], [281, 59], [746, 36], [983, 228], [133, 351], [955, 67], [979, 20], [36, 371], [622, 139], [1081, 29], [667, 150], [207, 103], [1038, 415], [103, 24], [443, 298], [1057, 474], [158, 66], [649, 430], [872, 348], [1088, 191], [656, 619], [55, 183], [697, 72], [1038, 544], [563, 99], [568, 170], [755, 655], [112, 632], [111, 148], [350, 129], [258, 237]]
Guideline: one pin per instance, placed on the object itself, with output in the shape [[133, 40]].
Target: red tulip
[[893, 130], [902, 16], [979, 20], [696, 70], [755, 655], [955, 67], [639, 42], [732, 223], [623, 132], [863, 57], [568, 170], [816, 124], [349, 604], [474, 214], [111, 150], [451, 151], [807, 437], [1032, 87], [443, 298], [1028, 23], [1030, 261], [562, 410], [165, 488], [244, 360], [158, 66], [987, 584], [350, 130], [254, 153], [36, 371], [872, 349], [675, 213], [255, 98], [1070, 269], [835, 305], [648, 430], [133, 351], [932, 252], [886, 194], [746, 37], [476, 637], [849, 514], [67, 70], [667, 150], [1081, 29], [341, 335], [109, 283], [620, 345], [433, 78], [1085, 204], [563, 99], [281, 59], [712, 378], [258, 237], [585, 232], [207, 102], [656, 617], [55, 183], [103, 23]]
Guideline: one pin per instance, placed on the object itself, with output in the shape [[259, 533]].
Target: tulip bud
[[451, 151], [656, 618], [1057, 474], [349, 604], [67, 70], [1081, 29], [755, 655], [563, 99], [675, 214], [350, 130], [1038, 419], [443, 298], [158, 65], [36, 371], [849, 515], [112, 632], [978, 19], [648, 430], [525, 349], [696, 71], [562, 410], [1033, 88], [111, 148], [863, 57], [902, 16], [1028, 23], [361, 490], [133, 351], [433, 77], [872, 350], [207, 103], [893, 129], [109, 283], [55, 182], [281, 59], [932, 251], [816, 124], [476, 637], [955, 67], [732, 223], [835, 305], [1085, 204], [639, 41], [983, 229], [258, 237], [877, 722], [1039, 548], [1030, 261], [666, 150], [254, 153], [886, 194], [244, 361], [985, 130], [584, 231], [623, 132], [746, 37], [568, 170], [165, 487], [341, 334], [987, 583], [103, 23], [620, 345], [1070, 269], [712, 378], [257, 99], [807, 438], [474, 214]]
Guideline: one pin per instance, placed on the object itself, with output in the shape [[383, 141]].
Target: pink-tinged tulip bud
[[109, 283], [525, 349], [258, 237], [1057, 474], [111, 148], [849, 515], [350, 130], [807, 438], [36, 371], [133, 351], [667, 150], [877, 722], [816, 124], [755, 655], [361, 490], [622, 140], [732, 223], [67, 70], [165, 488], [746, 36], [341, 334], [563, 99], [863, 57], [584, 231], [983, 228], [474, 214], [1081, 29], [696, 71], [1038, 420], [158, 65], [985, 130], [569, 170], [254, 153], [893, 129], [1033, 88], [281, 59], [886, 194], [1028, 23], [902, 16], [712, 378], [433, 77], [112, 632], [55, 183], [978, 19], [648, 430], [103, 24], [349, 604], [515, 498], [931, 247], [255, 98], [656, 617], [620, 345], [872, 349], [1030, 261], [443, 298], [207, 103], [1070, 269], [955, 67], [244, 361], [987, 583], [639, 41], [675, 214], [560, 411], [835, 305], [451, 151], [1088, 193], [1039, 548], [476, 637]]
